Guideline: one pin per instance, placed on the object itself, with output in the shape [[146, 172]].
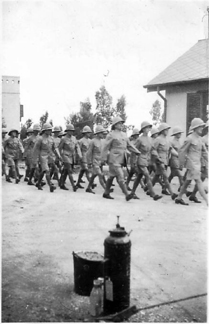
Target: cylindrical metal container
[[88, 266], [117, 252]]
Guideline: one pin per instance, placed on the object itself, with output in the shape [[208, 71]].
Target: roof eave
[[163, 86]]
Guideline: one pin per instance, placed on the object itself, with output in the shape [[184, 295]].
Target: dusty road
[[40, 230]]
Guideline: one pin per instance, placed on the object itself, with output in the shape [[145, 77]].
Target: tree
[[156, 112], [24, 127], [104, 108], [3, 123], [28, 123], [82, 118], [120, 108], [43, 118]]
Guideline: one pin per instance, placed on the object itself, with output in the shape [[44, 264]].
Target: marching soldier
[[68, 147], [94, 158], [54, 160], [84, 146], [161, 151], [174, 160], [133, 158], [144, 145], [43, 149], [30, 148], [193, 150], [114, 151], [13, 147], [29, 132], [3, 158]]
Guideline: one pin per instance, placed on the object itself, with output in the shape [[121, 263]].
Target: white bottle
[[96, 299]]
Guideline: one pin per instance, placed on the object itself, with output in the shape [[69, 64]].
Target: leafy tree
[[28, 123], [104, 109], [120, 108], [24, 127], [156, 112], [3, 123], [43, 119], [51, 122], [82, 118]]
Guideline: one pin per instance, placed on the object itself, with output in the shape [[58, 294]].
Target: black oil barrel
[[88, 266], [117, 269]]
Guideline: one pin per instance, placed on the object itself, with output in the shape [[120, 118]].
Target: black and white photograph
[[104, 185]]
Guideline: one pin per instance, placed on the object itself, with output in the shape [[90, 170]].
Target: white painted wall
[[177, 104], [11, 101]]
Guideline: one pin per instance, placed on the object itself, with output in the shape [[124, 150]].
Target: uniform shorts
[[204, 171], [84, 166], [161, 169], [68, 167], [176, 172], [11, 162], [116, 171], [96, 170], [142, 170], [193, 174], [44, 160]]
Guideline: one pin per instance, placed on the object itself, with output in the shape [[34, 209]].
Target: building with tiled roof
[[186, 83]]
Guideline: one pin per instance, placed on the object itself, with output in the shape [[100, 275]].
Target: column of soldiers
[[52, 153]]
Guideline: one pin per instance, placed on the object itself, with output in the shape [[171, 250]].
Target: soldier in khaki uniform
[[161, 150], [144, 145], [29, 132], [193, 150], [30, 148], [3, 157], [94, 158], [133, 158], [114, 152], [84, 146], [174, 160], [12, 148], [68, 147], [54, 160], [43, 149]]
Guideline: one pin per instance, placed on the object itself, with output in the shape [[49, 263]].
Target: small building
[[186, 84], [12, 110]]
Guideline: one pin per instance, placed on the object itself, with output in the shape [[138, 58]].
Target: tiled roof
[[192, 65]]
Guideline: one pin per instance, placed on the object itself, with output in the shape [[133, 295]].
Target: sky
[[64, 51]]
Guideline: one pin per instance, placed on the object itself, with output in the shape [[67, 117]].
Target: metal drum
[[117, 252]]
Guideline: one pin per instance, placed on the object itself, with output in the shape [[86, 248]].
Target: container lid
[[118, 231], [97, 282]]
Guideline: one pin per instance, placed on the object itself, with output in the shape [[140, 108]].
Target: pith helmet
[[61, 134], [190, 131], [99, 129], [29, 130], [69, 127], [177, 130], [116, 120], [163, 127], [135, 132], [154, 131], [4, 131], [36, 127], [56, 129], [86, 129], [13, 130], [197, 122], [46, 126], [145, 124]]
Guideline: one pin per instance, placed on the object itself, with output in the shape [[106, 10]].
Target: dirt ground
[[40, 230]]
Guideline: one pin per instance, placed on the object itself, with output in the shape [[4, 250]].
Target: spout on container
[[129, 233]]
